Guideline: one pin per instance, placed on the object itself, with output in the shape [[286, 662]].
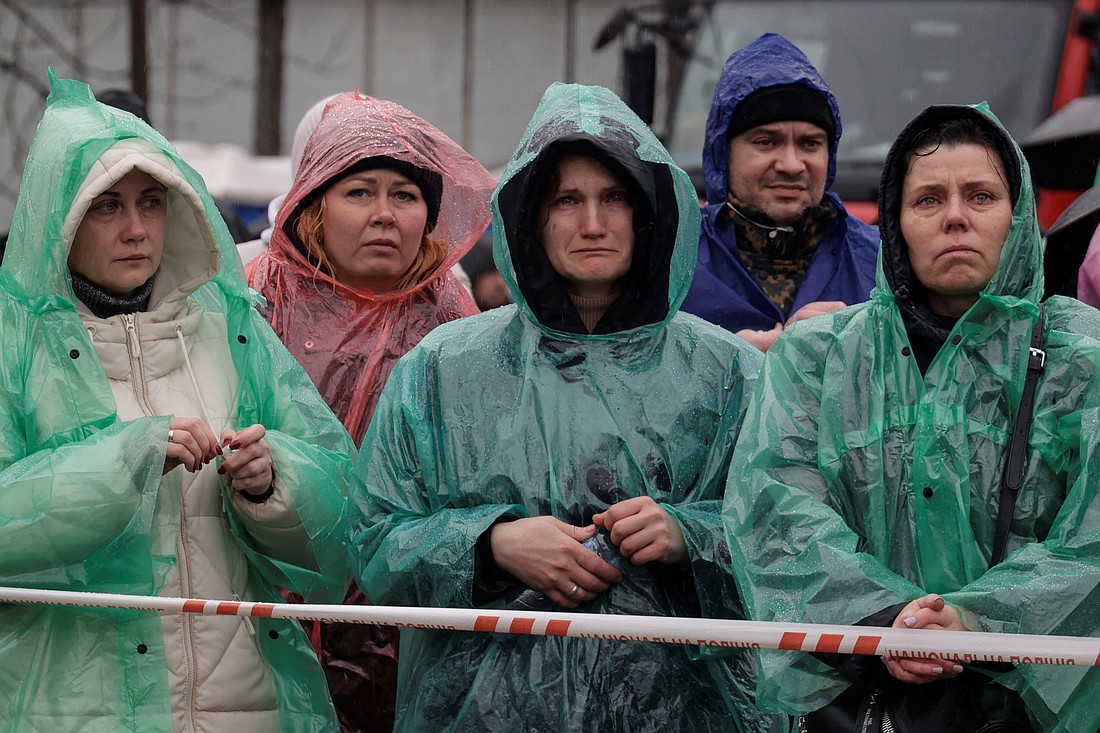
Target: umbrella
[[1064, 150], [1068, 240]]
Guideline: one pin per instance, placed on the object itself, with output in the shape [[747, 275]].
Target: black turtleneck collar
[[104, 305]]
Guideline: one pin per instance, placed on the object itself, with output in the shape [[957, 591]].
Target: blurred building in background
[[474, 68]]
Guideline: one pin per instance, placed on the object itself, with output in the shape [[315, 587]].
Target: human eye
[[618, 197], [565, 200], [153, 201], [925, 201], [357, 192], [813, 143], [406, 195], [106, 206], [984, 197]]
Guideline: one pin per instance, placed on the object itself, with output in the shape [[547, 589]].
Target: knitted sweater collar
[[104, 305]]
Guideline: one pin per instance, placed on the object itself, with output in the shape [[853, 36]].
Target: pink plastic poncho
[[1088, 277], [348, 340]]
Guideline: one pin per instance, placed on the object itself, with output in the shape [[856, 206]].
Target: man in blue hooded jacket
[[776, 246]]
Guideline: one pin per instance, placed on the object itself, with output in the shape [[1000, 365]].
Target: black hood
[[645, 289], [895, 252]]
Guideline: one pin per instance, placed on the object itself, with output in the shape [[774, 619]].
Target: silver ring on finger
[[573, 591]]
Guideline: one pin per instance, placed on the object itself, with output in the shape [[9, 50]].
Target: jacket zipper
[[141, 394], [187, 626], [137, 365]]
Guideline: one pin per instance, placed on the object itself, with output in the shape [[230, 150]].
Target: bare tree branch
[[319, 66], [52, 42], [34, 81]]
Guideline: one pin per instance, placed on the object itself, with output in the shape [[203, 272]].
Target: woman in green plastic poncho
[[502, 440], [869, 490], [132, 355]]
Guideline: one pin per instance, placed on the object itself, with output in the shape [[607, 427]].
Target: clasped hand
[[193, 444], [546, 554], [926, 612]]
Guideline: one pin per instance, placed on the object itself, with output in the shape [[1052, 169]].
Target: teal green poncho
[[500, 415], [864, 483]]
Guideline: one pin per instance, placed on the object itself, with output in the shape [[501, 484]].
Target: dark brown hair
[[953, 133]]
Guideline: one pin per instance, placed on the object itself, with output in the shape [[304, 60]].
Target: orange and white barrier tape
[[959, 646]]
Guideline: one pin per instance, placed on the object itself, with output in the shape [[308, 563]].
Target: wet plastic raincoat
[[865, 484], [724, 291], [83, 503], [501, 415], [348, 340]]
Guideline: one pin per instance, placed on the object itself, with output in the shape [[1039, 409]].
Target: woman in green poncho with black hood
[[869, 489], [591, 407]]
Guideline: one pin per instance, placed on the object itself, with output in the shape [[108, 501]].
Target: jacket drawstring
[[206, 416], [198, 396], [194, 381]]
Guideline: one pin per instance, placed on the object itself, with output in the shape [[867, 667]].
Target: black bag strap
[[1013, 476]]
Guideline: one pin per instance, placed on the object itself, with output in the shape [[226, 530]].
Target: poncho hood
[[354, 128], [349, 339], [81, 149], [770, 60], [572, 118], [1019, 273]]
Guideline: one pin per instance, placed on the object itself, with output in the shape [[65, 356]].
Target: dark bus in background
[[885, 60]]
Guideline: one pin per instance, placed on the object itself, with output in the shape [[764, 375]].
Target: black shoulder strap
[[1017, 447]]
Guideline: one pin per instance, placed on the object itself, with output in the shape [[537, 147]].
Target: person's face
[[490, 290], [373, 224], [779, 168], [120, 241], [956, 211], [588, 227]]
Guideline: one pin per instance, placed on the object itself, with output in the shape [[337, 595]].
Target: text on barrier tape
[[959, 646]]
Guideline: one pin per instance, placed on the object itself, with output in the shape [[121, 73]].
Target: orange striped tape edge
[[486, 623], [792, 640]]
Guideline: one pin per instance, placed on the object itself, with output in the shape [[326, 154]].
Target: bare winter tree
[[35, 35], [270, 31], [139, 49], [156, 48]]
